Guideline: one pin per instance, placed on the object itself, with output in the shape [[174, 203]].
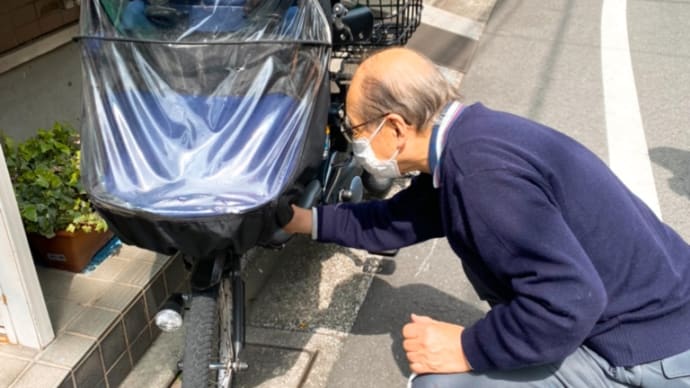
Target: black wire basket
[[394, 23]]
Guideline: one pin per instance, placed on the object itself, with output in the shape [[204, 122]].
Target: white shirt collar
[[439, 137]]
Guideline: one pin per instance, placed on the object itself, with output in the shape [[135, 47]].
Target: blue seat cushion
[[199, 155]]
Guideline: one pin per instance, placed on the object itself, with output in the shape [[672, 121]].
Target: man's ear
[[402, 128]]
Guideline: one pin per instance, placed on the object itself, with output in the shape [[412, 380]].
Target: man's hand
[[300, 222], [433, 346]]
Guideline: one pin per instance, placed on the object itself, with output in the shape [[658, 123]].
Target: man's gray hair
[[418, 96]]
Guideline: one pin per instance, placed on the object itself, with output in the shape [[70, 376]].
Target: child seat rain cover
[[199, 115]]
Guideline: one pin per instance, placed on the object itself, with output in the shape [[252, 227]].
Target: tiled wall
[[24, 20], [128, 338]]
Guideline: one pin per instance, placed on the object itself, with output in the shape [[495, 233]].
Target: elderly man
[[588, 287]]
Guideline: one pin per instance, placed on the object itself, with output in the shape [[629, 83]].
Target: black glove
[[284, 212]]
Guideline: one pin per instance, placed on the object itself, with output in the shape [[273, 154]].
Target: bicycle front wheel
[[208, 351]]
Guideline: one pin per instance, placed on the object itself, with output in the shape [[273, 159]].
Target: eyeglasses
[[348, 130]]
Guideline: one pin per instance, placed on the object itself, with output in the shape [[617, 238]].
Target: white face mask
[[365, 156]]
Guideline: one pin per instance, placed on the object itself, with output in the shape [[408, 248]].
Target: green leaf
[[42, 181], [45, 147], [30, 213]]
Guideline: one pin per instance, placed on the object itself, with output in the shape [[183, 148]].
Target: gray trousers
[[584, 368]]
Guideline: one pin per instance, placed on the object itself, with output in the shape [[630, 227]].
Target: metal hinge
[[3, 298]]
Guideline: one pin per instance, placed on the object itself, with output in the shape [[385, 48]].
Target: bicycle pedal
[[379, 266]]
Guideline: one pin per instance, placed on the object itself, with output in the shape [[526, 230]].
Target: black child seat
[[200, 115]]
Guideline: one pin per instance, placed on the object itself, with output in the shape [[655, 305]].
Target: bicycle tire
[[201, 342], [208, 339]]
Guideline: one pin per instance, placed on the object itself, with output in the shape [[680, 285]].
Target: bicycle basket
[[394, 23]]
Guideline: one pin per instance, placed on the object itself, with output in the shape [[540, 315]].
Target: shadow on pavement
[[388, 313], [678, 162]]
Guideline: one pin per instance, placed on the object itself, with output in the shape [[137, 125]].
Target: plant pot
[[68, 251]]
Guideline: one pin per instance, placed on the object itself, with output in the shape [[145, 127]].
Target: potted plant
[[62, 227]]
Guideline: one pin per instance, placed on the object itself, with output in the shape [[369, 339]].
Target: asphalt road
[[563, 63]]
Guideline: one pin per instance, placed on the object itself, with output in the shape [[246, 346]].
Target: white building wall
[[26, 312]]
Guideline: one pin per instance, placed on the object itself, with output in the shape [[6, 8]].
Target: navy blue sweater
[[573, 256]]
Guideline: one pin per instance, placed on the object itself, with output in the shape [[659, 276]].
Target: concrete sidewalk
[[300, 321]]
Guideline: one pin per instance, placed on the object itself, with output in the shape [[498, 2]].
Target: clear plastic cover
[[198, 107]]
